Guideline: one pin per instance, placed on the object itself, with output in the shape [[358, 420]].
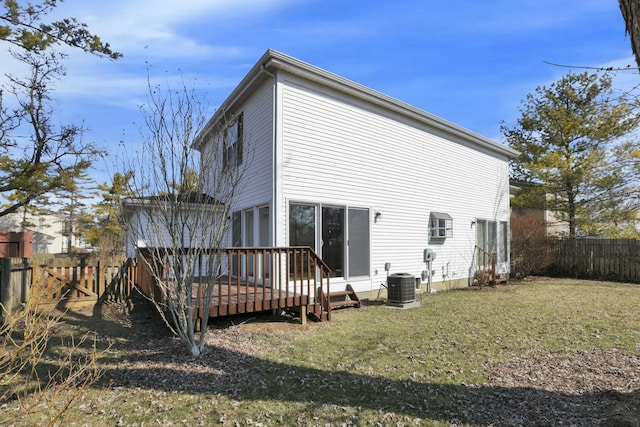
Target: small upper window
[[441, 225], [232, 143]]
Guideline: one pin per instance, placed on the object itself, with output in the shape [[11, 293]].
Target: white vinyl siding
[[256, 186], [328, 148], [337, 150]]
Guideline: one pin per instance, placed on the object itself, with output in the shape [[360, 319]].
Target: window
[[236, 229], [302, 231], [232, 142], [236, 239], [302, 223], [333, 226], [441, 225]]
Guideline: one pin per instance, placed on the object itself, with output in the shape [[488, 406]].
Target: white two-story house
[[365, 180]]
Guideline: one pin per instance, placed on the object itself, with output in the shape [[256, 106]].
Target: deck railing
[[248, 279]]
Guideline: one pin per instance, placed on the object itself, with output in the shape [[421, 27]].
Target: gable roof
[[272, 61]]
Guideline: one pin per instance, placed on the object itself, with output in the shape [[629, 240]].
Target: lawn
[[541, 352]]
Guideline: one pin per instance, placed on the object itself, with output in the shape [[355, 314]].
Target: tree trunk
[[571, 211], [631, 14]]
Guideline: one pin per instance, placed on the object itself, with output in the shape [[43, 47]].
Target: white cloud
[[158, 28], [153, 35]]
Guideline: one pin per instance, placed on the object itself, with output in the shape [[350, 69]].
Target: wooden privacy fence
[[15, 282], [67, 285], [610, 259]]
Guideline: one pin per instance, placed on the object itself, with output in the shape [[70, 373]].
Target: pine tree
[[103, 229], [569, 137]]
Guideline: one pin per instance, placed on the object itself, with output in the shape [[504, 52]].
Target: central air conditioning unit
[[401, 288]]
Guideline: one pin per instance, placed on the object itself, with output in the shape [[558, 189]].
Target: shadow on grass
[[243, 377]]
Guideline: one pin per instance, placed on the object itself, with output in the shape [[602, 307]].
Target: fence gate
[[73, 284], [76, 285]]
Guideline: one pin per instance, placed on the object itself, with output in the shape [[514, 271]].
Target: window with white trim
[[339, 234], [441, 225]]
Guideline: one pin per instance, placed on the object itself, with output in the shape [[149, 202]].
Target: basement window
[[441, 225]]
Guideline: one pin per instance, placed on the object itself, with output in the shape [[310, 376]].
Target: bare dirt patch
[[611, 379], [144, 353]]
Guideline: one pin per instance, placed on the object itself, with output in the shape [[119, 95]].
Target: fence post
[[27, 280], [6, 289], [98, 277]]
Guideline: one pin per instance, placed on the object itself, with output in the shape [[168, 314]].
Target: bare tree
[[180, 230]]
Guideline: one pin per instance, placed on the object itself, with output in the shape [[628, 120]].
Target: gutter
[[274, 60]]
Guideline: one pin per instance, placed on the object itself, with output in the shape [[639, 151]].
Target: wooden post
[[303, 314], [6, 289], [27, 279], [97, 276]]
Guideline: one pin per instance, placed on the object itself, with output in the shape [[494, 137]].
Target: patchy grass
[[541, 352]]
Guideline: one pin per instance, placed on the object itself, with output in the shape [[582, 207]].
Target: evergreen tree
[[573, 154], [103, 229], [70, 202], [25, 25]]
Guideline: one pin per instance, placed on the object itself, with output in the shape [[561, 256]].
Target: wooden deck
[[249, 280], [246, 297]]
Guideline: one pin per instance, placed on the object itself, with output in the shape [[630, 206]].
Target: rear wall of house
[[343, 152]]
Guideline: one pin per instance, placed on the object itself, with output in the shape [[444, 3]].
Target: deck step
[[318, 312], [340, 293], [344, 303], [344, 299]]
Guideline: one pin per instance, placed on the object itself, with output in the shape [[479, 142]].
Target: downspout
[[274, 159]]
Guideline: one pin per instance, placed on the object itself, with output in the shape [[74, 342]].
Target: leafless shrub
[[40, 382], [529, 245]]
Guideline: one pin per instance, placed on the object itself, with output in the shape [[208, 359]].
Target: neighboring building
[[540, 214], [16, 244], [146, 220], [48, 230], [362, 178]]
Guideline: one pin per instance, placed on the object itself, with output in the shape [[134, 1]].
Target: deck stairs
[[496, 279], [344, 299], [335, 300]]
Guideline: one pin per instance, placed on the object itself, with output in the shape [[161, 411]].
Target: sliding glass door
[[333, 239], [340, 235]]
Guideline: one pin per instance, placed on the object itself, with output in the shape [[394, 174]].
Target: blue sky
[[470, 62]]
